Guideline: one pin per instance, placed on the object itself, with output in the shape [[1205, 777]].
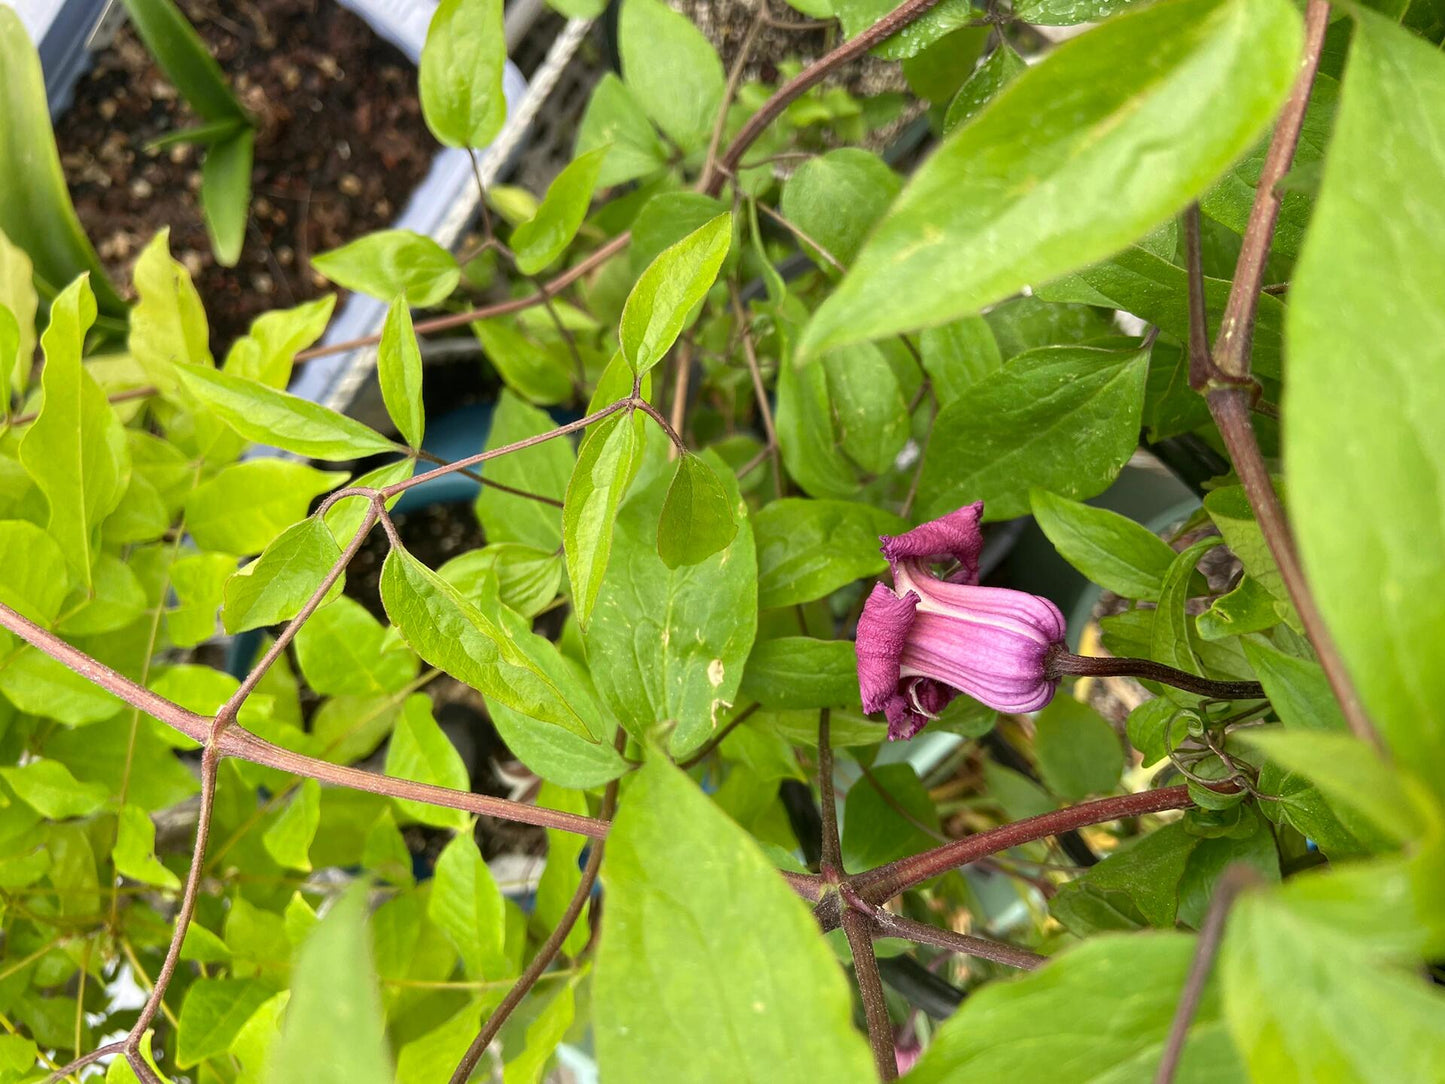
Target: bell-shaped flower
[[933, 636]]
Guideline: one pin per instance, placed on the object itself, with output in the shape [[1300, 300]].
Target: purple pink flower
[[933, 636]]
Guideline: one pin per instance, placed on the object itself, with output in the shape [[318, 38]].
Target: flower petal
[[882, 631], [954, 537]]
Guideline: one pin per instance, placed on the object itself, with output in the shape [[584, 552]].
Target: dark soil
[[341, 146]]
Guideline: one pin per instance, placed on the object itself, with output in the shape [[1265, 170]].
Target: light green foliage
[[801, 672], [606, 464], [1360, 451], [807, 549], [660, 304], [697, 517], [392, 262], [461, 73], [546, 235], [244, 507], [985, 84], [614, 120], [1112, 550], [1003, 212], [419, 751], [398, 369], [466, 903], [672, 71], [543, 469], [75, 451], [746, 999], [278, 583]]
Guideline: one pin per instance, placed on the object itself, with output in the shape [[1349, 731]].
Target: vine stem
[[885, 882], [549, 949], [891, 925], [1235, 879], [1230, 392], [1060, 661]]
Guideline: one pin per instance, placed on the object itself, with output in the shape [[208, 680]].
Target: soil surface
[[340, 148]]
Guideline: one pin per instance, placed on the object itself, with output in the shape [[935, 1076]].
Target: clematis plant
[[935, 635]]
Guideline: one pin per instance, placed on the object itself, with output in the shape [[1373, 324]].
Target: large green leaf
[[277, 584], [697, 517], [674, 640], [1106, 138], [466, 903], [836, 198], [390, 262], [485, 645], [660, 303], [614, 120], [268, 416], [76, 450], [801, 672], [245, 506], [419, 751], [739, 948], [808, 549], [35, 208], [1364, 453], [1065, 419], [1099, 1013], [213, 1014], [460, 78], [334, 1032], [1365, 1022], [671, 68]]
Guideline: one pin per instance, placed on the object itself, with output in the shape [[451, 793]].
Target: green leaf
[[199, 581], [546, 235], [672, 70], [544, 1032], [527, 579], [487, 646], [76, 451], [268, 416], [460, 77], [275, 586], [268, 350], [868, 406], [135, 846], [1248, 608], [343, 650], [1230, 510], [1362, 453], [958, 355], [858, 15], [1120, 991], [36, 580], [419, 751], [660, 303], [1112, 550], [1079, 753], [557, 755], [1297, 688], [1156, 727], [334, 1032], [808, 549], [807, 436], [1374, 1024], [606, 464], [19, 299], [35, 209], [213, 1014], [986, 83], [801, 672], [697, 518], [398, 370], [648, 1020], [168, 326], [874, 831], [288, 838], [1350, 773], [184, 58], [675, 639], [244, 507], [836, 198], [563, 873], [1069, 12], [391, 262], [543, 469], [665, 219], [1169, 640], [1064, 419], [226, 194], [614, 120], [991, 212], [48, 788], [540, 369], [37, 684], [466, 903]]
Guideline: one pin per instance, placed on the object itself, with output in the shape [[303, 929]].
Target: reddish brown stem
[[809, 77], [891, 925], [1236, 330], [885, 882]]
